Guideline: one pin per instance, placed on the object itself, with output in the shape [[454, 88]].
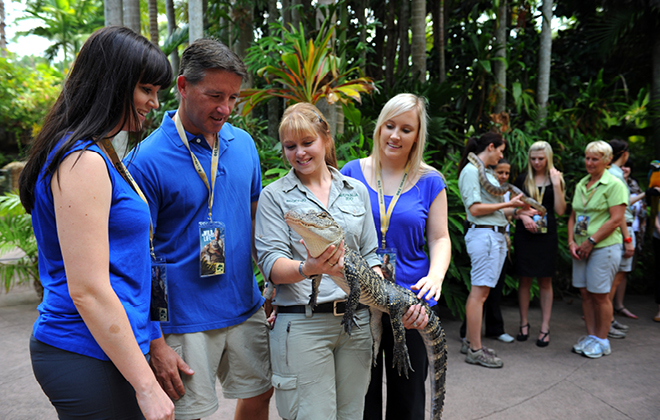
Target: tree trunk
[[391, 47], [376, 61], [195, 20], [242, 15], [274, 103], [500, 51], [362, 21], [655, 94], [114, 15], [418, 26], [153, 21], [404, 40], [3, 36], [545, 54], [132, 15], [286, 12], [295, 13], [439, 38], [171, 27]]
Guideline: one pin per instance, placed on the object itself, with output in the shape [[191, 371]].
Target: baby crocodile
[[363, 285]]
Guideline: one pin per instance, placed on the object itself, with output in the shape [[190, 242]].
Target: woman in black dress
[[535, 238]]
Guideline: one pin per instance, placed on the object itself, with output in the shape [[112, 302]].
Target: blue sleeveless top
[[407, 230], [59, 324]]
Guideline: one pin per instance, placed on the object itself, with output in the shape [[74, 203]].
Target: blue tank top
[[407, 230], [59, 324]]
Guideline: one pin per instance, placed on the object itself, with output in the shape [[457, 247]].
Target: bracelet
[[300, 269], [592, 241], [514, 212], [627, 240]]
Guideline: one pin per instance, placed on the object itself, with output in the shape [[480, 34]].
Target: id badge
[[159, 297], [581, 225], [387, 257], [211, 248], [541, 223]]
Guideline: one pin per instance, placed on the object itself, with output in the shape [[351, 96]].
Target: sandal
[[625, 312], [541, 341], [521, 336]]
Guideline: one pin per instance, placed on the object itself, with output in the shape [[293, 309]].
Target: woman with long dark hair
[[89, 342], [485, 241]]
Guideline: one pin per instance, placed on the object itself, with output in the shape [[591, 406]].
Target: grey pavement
[[535, 383]]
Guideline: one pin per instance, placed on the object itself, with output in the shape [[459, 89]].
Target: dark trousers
[[81, 387], [406, 397], [494, 321], [656, 255]]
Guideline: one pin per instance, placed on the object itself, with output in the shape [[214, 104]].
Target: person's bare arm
[[82, 195]]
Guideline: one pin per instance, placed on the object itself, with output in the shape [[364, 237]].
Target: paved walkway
[[535, 383]]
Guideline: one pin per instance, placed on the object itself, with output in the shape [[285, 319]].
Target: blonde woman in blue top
[[415, 217]]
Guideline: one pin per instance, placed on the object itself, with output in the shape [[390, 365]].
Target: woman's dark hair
[[477, 145], [619, 147], [97, 97]]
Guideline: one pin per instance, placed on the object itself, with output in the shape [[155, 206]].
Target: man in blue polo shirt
[[202, 179]]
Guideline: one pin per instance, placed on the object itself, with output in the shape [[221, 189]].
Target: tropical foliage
[[307, 71], [16, 234]]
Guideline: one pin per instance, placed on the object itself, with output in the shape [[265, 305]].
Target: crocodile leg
[[401, 360], [316, 282]]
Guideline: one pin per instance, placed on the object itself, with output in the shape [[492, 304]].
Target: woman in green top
[[594, 241]]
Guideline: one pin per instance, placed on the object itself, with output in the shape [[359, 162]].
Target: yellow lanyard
[[119, 165], [385, 216], [198, 166], [584, 203]]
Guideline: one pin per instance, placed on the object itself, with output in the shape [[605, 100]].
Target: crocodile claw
[[348, 321], [401, 361]]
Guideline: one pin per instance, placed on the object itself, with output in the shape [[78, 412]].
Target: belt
[[629, 224], [338, 307], [498, 229]]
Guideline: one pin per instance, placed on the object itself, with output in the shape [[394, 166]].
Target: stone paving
[[535, 383]]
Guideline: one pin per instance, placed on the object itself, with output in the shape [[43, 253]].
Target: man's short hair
[[208, 53]]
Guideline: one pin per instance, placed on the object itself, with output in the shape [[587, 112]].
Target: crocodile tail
[[436, 351]]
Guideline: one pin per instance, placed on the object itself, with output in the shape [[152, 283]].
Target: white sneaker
[[594, 349], [619, 326], [506, 338], [582, 342], [615, 333]]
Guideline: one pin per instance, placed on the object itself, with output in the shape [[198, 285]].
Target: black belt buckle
[[335, 306]]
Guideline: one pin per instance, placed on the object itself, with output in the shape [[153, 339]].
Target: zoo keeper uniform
[[319, 372]]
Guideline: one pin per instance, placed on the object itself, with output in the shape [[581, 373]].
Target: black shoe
[[521, 336], [540, 342]]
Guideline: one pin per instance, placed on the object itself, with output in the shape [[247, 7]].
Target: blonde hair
[[396, 106], [602, 147], [304, 119], [530, 183]]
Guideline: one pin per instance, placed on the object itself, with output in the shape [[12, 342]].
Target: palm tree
[[3, 37], [153, 21], [418, 20], [114, 15], [132, 15], [195, 20], [67, 23], [545, 54], [500, 51]]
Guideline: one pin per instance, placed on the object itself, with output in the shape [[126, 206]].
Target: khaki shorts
[[627, 263], [596, 273], [239, 356], [487, 250]]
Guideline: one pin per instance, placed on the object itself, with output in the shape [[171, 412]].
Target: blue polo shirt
[[178, 199]]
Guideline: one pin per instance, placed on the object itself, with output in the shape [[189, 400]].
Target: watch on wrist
[[300, 269], [592, 241], [627, 240], [514, 212]]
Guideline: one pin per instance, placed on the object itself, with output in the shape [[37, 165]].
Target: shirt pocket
[[353, 218]]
